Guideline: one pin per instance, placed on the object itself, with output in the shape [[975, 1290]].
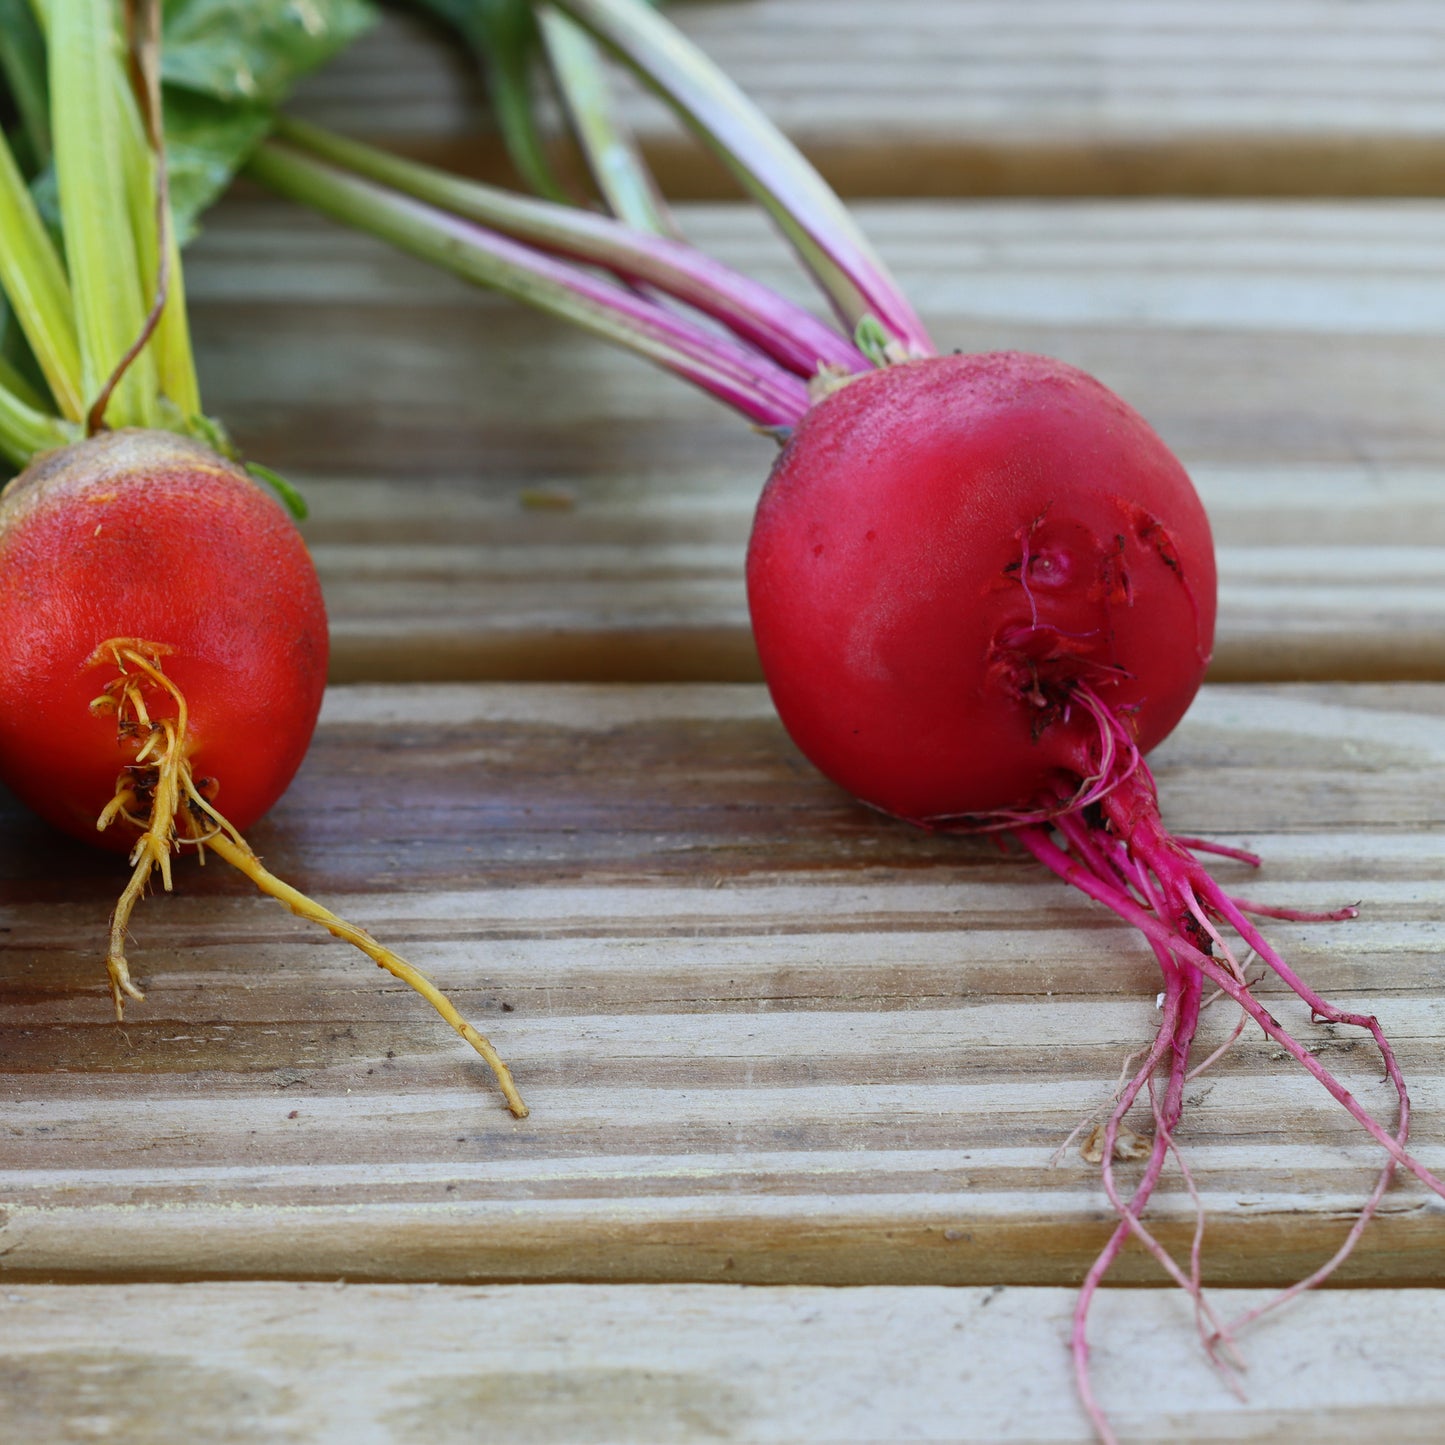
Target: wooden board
[[935, 97], [767, 1036], [337, 1364], [495, 497]]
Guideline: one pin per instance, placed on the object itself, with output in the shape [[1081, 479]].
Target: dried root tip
[[1298, 915], [121, 987], [158, 794]]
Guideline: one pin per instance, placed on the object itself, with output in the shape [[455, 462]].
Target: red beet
[[163, 642], [946, 552], [982, 589], [149, 537]]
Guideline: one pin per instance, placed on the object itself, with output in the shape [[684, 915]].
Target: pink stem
[[736, 374], [787, 332]]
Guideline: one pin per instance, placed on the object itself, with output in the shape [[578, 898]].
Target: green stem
[[94, 183], [744, 378], [140, 139], [622, 175], [25, 431], [34, 281], [766, 162]]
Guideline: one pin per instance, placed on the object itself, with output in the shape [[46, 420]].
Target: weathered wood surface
[[571, 1365], [767, 1036], [495, 497], [939, 97]]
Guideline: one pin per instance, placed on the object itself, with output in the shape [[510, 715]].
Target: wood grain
[[495, 497], [766, 1036], [1297, 97], [571, 1365]]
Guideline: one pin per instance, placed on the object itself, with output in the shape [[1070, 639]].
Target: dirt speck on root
[[1127, 1145]]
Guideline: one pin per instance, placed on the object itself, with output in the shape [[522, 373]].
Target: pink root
[[1235, 1035], [1203, 845], [1212, 1339], [1297, 915], [1116, 850]]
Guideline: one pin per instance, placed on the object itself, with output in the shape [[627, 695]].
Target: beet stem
[[145, 55], [618, 167], [789, 334], [737, 373], [771, 168], [34, 281]]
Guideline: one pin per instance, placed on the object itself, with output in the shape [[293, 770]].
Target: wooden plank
[[767, 1036], [494, 497], [1297, 97], [392, 1365]]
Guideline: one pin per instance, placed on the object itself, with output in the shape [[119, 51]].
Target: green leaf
[[872, 340], [207, 142], [212, 126], [294, 501], [86, 169], [256, 51], [22, 65], [224, 66]]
